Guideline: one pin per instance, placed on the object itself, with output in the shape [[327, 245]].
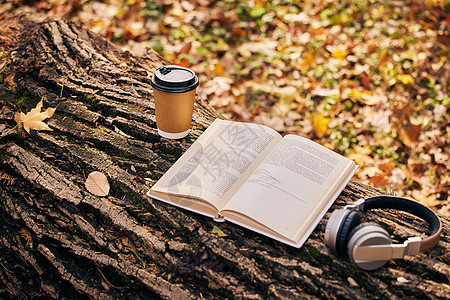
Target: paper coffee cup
[[174, 94]]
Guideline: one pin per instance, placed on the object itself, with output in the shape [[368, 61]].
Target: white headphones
[[368, 245]]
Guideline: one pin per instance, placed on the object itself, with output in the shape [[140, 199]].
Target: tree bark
[[60, 241]]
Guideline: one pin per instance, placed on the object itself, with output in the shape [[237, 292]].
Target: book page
[[287, 190], [219, 162]]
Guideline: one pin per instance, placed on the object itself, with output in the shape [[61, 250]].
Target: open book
[[250, 175]]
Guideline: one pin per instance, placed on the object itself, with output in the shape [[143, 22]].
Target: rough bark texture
[[59, 241]]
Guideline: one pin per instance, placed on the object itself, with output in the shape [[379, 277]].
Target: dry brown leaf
[[387, 167], [379, 180], [10, 80], [425, 198], [97, 183], [27, 237], [403, 280], [218, 86], [186, 48], [352, 282], [34, 118], [362, 160], [409, 134], [383, 56], [403, 113]]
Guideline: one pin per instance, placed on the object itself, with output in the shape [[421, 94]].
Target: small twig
[[7, 270], [105, 278], [134, 90], [62, 86]]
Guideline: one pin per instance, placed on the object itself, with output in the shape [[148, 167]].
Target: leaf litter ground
[[368, 79]]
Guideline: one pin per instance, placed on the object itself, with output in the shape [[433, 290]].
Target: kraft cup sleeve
[[174, 111]]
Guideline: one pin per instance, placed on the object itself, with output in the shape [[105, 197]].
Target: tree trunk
[[60, 241]]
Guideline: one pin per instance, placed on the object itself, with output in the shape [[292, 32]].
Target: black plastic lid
[[174, 79]]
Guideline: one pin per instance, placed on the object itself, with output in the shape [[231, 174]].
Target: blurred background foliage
[[368, 79]]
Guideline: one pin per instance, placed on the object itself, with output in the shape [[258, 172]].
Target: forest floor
[[368, 79]]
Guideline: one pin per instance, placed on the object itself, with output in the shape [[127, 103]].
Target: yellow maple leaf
[[308, 60], [219, 232], [405, 78], [321, 125], [34, 118], [340, 54]]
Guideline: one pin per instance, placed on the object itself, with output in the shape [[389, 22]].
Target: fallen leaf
[[117, 130], [287, 93], [387, 167], [10, 80], [409, 134], [340, 54], [402, 280], [218, 86], [218, 69], [183, 63], [361, 159], [222, 45], [219, 232], [369, 172], [309, 60], [365, 81], [273, 122], [186, 48], [130, 246], [34, 118], [97, 183], [429, 200], [321, 125], [17, 118], [383, 56], [265, 46], [163, 28], [405, 78], [355, 94], [379, 180], [27, 237], [352, 282]]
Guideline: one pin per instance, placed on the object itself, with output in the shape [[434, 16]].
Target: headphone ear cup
[[352, 219], [339, 225], [367, 234]]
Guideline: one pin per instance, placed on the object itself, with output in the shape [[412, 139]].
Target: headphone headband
[[409, 206], [368, 244]]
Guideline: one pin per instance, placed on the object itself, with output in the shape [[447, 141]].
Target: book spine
[[219, 218]]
